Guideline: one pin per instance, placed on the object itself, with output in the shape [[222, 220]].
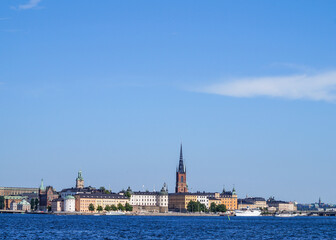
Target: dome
[[24, 202], [69, 197]]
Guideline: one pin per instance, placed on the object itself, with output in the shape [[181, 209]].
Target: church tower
[[41, 189], [79, 180], [181, 176]]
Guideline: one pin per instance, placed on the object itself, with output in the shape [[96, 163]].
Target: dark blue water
[[16, 226]]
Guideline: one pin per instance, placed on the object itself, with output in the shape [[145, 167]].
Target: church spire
[[181, 175], [181, 168], [42, 187]]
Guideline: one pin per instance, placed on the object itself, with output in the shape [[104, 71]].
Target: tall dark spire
[[181, 168]]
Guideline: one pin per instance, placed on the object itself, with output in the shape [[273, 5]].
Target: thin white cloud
[[31, 4], [316, 87]]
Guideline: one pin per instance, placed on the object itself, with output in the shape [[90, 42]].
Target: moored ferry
[[247, 212]]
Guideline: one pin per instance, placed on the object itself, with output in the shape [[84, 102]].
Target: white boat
[[248, 212], [115, 213], [285, 215]]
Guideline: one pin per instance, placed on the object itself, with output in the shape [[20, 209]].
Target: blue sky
[[113, 87]]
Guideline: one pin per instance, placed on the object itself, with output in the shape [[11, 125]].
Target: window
[[181, 178]]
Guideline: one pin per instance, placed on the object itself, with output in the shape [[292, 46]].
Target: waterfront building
[[24, 206], [11, 191], [271, 209], [13, 206], [214, 200], [179, 201], [69, 204], [57, 205], [203, 199], [229, 199], [10, 200], [80, 180], [207, 198], [150, 201], [252, 203], [83, 201], [46, 195], [181, 176], [281, 206]]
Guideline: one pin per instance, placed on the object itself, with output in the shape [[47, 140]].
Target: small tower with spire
[[181, 175], [41, 189], [79, 180]]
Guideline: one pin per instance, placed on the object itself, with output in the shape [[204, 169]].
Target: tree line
[[120, 207], [200, 207]]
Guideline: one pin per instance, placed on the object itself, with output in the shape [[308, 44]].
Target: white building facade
[[203, 199], [69, 203], [149, 199], [159, 199]]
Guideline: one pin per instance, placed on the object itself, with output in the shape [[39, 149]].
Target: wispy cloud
[[31, 4], [317, 87]]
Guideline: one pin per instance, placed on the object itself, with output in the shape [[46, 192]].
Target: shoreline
[[173, 214], [150, 214]]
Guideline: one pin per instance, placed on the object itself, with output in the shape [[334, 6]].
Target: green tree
[[201, 207], [121, 207], [221, 208], [196, 207], [32, 204], [213, 207], [36, 203], [104, 190], [107, 208], [128, 194], [91, 207], [2, 202], [99, 208], [191, 206], [113, 207], [128, 207]]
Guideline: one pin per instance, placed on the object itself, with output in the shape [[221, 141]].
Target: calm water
[[16, 226]]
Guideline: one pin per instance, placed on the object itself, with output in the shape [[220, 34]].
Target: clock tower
[[181, 176]]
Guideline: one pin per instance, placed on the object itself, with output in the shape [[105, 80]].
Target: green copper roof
[[15, 197], [69, 197], [80, 176], [24, 202], [42, 187]]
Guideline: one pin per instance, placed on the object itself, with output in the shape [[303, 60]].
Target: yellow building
[[252, 203], [214, 200], [179, 201], [229, 199], [231, 202], [83, 201]]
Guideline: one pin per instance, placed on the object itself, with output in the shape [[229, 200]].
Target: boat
[[115, 213], [285, 215], [247, 212]]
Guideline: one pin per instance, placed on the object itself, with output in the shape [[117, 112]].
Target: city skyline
[[179, 189], [112, 90]]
